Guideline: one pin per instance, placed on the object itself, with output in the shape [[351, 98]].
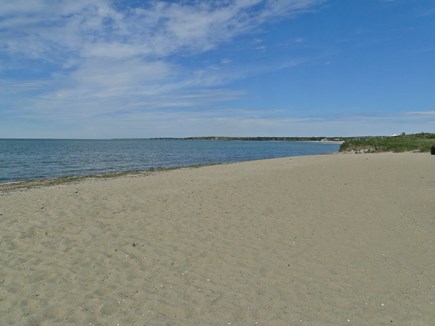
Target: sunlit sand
[[320, 240]]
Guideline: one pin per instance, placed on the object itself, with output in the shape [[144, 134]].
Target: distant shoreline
[[212, 138]]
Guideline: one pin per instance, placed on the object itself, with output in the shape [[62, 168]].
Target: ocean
[[35, 159]]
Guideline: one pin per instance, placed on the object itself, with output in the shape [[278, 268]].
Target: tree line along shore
[[420, 142]]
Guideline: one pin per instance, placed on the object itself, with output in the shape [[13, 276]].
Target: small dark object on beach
[[432, 151], [134, 245]]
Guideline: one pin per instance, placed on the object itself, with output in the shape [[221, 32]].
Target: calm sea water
[[22, 159]]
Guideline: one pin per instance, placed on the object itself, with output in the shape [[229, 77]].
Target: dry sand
[[320, 240]]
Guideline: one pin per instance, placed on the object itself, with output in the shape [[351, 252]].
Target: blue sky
[[104, 69]]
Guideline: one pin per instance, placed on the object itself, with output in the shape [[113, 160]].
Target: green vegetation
[[402, 143]]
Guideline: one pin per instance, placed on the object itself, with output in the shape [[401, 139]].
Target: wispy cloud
[[149, 68], [243, 123], [107, 56], [87, 28], [227, 122]]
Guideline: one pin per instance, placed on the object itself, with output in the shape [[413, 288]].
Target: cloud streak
[[101, 58], [87, 28], [108, 68]]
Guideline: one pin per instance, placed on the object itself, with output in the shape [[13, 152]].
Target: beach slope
[[319, 240]]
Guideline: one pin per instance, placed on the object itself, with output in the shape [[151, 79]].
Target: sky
[[138, 69]]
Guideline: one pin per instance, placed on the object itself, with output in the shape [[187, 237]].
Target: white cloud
[[216, 122], [228, 122], [105, 59], [116, 68], [99, 28], [102, 50]]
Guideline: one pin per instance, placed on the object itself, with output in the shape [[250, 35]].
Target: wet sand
[[319, 240]]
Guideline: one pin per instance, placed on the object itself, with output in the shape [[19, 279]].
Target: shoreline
[[306, 240], [26, 184], [133, 158]]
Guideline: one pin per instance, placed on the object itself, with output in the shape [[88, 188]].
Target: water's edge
[[42, 160], [48, 182]]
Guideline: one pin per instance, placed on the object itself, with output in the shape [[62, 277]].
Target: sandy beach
[[317, 240]]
